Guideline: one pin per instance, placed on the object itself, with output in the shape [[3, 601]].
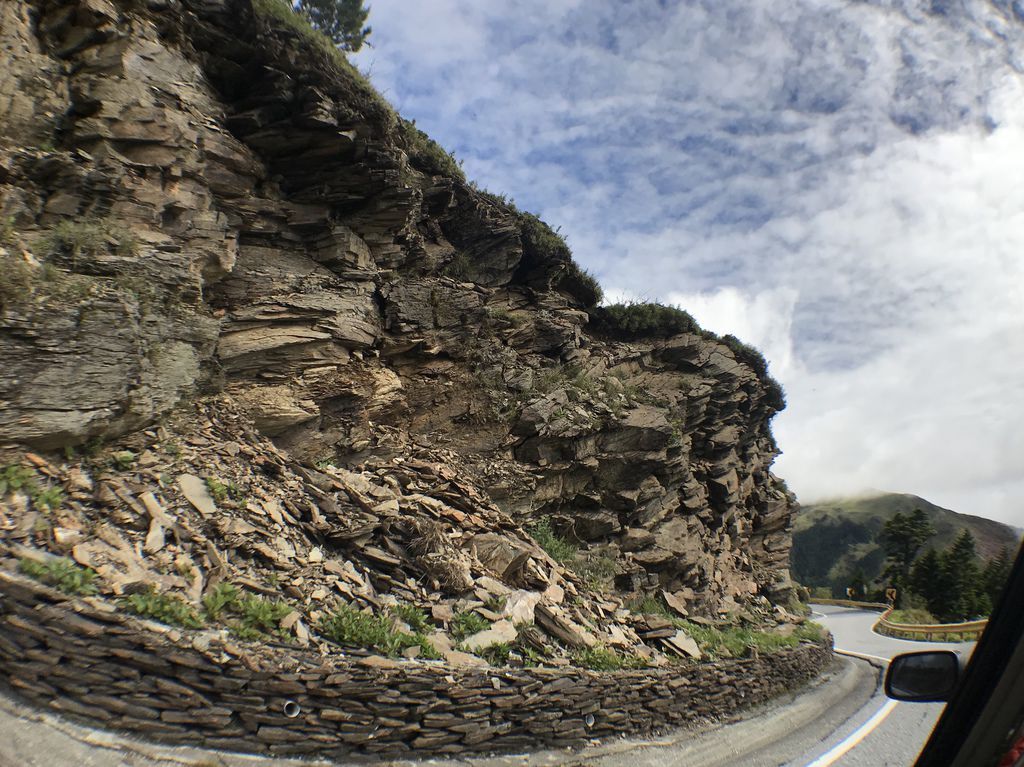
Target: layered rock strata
[[256, 224]]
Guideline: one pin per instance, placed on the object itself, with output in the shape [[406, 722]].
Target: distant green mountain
[[833, 539]]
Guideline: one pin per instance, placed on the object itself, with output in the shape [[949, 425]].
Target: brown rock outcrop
[[215, 205]]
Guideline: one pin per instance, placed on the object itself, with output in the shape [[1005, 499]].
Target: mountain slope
[[833, 539]]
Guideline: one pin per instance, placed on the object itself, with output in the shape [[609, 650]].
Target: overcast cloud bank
[[838, 183]]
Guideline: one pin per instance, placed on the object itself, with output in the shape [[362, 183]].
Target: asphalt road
[[851, 722], [825, 724], [897, 731]]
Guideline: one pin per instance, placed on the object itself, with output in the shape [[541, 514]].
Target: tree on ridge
[[902, 538], [344, 21]]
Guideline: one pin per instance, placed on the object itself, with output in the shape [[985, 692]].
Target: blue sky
[[838, 183]]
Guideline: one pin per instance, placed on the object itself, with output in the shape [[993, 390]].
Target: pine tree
[[965, 597], [928, 581], [344, 21], [995, 575], [902, 538]]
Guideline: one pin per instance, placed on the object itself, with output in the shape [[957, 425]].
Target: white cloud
[[837, 183]]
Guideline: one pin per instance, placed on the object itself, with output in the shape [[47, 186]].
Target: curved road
[[842, 719], [899, 729]]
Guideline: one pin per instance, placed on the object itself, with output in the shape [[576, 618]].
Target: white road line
[[835, 753], [862, 655]]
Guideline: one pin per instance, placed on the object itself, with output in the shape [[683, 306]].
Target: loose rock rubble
[[205, 499]]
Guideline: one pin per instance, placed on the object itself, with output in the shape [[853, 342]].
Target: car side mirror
[[923, 677]]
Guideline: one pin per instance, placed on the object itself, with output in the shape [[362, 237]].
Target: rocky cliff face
[[203, 209]]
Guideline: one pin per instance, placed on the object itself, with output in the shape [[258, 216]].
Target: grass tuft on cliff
[[281, 12], [600, 658], [427, 155]]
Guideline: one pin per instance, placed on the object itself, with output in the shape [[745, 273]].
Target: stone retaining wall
[[82, 658]]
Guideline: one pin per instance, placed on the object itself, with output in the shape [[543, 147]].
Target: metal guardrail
[[880, 606], [937, 632]]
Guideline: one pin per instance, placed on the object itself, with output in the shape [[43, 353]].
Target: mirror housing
[[923, 677]]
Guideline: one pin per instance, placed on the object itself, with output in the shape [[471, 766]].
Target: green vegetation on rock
[[600, 658], [22, 280], [62, 574], [913, 615], [639, 319], [282, 13], [350, 627], [166, 608], [247, 616], [595, 568], [558, 548], [413, 616], [428, 156], [14, 478], [466, 623]]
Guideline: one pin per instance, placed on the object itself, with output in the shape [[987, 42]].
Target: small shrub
[[738, 642], [540, 242], [531, 656], [558, 548], [7, 230], [768, 641], [247, 616], [630, 321], [260, 615], [22, 281], [501, 315], [218, 490], [546, 380], [775, 395], [458, 268], [17, 279], [496, 654], [49, 498], [348, 626], [413, 616], [466, 623], [650, 605], [595, 570], [219, 599], [581, 284], [62, 574], [14, 477], [282, 12], [496, 604], [89, 237], [165, 608]]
